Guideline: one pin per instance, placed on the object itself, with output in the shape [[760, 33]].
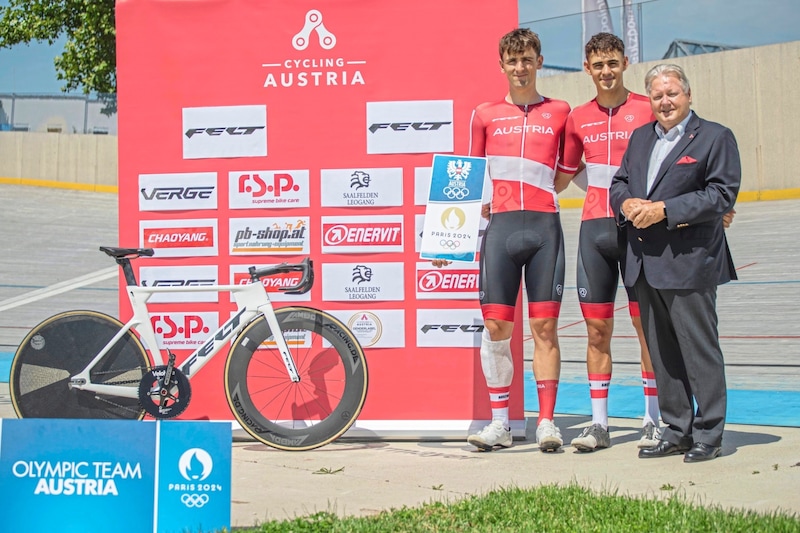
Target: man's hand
[[727, 218], [439, 263], [643, 213], [486, 210]]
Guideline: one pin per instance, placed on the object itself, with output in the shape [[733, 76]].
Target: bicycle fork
[[280, 341]]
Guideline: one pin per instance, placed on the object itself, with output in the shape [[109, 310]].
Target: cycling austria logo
[[318, 70], [194, 466]]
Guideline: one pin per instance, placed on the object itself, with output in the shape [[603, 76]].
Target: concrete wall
[[79, 161], [753, 91]]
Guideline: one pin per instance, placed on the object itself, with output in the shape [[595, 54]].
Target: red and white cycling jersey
[[522, 145], [600, 135]]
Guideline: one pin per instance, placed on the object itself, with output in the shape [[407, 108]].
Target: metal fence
[[58, 113]]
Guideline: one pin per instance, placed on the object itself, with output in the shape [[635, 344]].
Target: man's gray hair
[[666, 69]]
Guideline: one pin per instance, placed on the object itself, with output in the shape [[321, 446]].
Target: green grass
[[546, 508]]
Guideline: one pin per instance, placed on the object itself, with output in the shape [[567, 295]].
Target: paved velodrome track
[[50, 238]]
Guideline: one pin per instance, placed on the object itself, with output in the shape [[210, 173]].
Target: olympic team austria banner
[[114, 475], [453, 215], [256, 132]]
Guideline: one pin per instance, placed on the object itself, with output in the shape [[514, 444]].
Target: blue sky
[[29, 68]]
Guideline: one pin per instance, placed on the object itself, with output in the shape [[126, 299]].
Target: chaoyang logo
[[351, 235], [183, 330], [224, 131], [272, 284], [179, 238], [268, 188], [320, 67], [409, 127], [446, 283]]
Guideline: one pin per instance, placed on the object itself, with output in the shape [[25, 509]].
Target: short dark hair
[[518, 40], [604, 42]]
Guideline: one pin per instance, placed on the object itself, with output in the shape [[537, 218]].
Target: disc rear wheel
[[61, 347]]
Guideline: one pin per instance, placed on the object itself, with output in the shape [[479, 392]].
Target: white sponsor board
[[240, 275], [265, 189], [269, 236], [178, 331], [362, 187], [177, 277], [362, 234], [364, 281], [179, 237], [409, 127], [457, 281], [458, 328], [375, 328], [224, 131], [176, 192]]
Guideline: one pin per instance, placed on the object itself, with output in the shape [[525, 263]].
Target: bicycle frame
[[251, 301]]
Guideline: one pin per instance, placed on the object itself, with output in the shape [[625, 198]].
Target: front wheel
[[61, 347], [312, 412]]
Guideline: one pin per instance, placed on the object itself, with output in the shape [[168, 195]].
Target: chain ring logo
[[327, 40], [189, 459]]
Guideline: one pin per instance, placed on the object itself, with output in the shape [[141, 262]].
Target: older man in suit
[[678, 177]]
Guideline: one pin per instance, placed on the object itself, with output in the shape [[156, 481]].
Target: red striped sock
[[547, 390]]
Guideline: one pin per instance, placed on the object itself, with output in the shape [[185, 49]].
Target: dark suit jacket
[[698, 182]]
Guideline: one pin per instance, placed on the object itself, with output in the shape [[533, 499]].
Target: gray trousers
[[680, 327]]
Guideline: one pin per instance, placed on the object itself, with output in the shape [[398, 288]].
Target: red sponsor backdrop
[[280, 99]]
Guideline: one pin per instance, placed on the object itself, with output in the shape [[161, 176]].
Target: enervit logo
[[225, 131], [362, 187], [268, 188], [183, 330], [327, 40], [409, 127], [288, 236], [374, 281], [455, 328], [171, 192], [446, 283], [273, 284], [179, 238], [318, 70], [195, 464], [362, 234], [177, 278]]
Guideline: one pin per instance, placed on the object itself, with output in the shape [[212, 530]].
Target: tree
[[89, 61]]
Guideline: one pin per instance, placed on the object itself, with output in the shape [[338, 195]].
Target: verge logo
[[224, 131], [172, 192]]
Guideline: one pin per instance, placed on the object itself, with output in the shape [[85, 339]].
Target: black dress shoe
[[664, 448], [702, 452]]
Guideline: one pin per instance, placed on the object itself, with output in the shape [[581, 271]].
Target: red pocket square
[[686, 160]]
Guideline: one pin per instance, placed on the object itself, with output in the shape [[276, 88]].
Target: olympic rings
[[194, 500], [456, 193], [450, 244]]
